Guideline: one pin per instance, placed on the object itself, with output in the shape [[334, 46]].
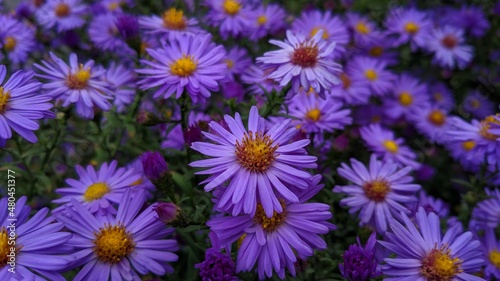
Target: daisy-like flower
[[491, 248], [191, 63], [385, 145], [172, 24], [431, 122], [21, 104], [76, 83], [379, 193], [231, 16], [275, 243], [486, 214], [266, 19], [351, 91], [105, 35], [362, 28], [472, 19], [97, 191], [40, 249], [381, 47], [372, 71], [62, 14], [303, 62], [422, 253], [256, 162], [258, 81], [123, 82], [447, 44], [121, 246], [237, 61], [478, 105], [317, 115], [409, 25], [17, 39], [334, 29], [407, 94], [441, 96]]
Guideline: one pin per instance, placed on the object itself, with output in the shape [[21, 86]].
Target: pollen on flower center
[[376, 51], [362, 28], [185, 66], [5, 247], [230, 63], [316, 29], [231, 7], [391, 146], [313, 114], [174, 19], [468, 145], [346, 81], [10, 43], [376, 190], [80, 79], [261, 20], [438, 265], [411, 28], [405, 99], [255, 152], [96, 191], [62, 10], [4, 99], [449, 41], [273, 223], [305, 56], [371, 74], [494, 257], [485, 126], [113, 243], [436, 117]]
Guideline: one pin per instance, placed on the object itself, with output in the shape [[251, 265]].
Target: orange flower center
[[376, 190], [305, 56], [411, 28], [273, 223], [486, 125], [436, 117], [4, 99], [174, 19], [62, 10], [449, 41], [113, 243], [231, 7], [255, 152]]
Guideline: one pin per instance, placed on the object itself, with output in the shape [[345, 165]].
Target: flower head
[[408, 94], [447, 44], [17, 39], [410, 25], [231, 16], [154, 165], [359, 262], [217, 266], [266, 19], [491, 247], [373, 72], [62, 14], [172, 24]]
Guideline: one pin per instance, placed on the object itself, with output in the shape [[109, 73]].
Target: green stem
[[184, 103], [28, 170]]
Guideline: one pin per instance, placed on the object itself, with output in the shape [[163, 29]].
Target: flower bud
[[167, 212], [154, 165]]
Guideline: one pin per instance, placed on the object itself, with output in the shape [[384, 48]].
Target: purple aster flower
[[486, 214], [21, 104], [277, 242], [385, 145], [190, 63], [237, 61], [430, 204], [491, 248], [260, 160], [351, 91], [123, 82], [409, 25], [17, 39], [472, 19], [303, 62], [447, 44], [362, 28], [359, 262], [441, 96], [231, 16], [105, 35], [173, 24], [258, 80], [128, 26], [381, 47], [423, 254], [378, 193], [407, 94], [372, 71], [265, 20], [62, 14], [217, 266], [40, 249], [334, 29], [121, 246], [76, 83], [97, 191], [154, 164], [431, 122], [478, 104], [316, 115]]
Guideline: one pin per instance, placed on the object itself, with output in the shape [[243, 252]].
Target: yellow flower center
[[10, 43], [113, 6], [362, 28], [494, 257], [405, 99], [230, 63], [411, 27], [80, 79], [438, 265], [376, 51], [469, 145], [261, 20], [316, 29], [174, 19], [474, 103], [346, 81], [4, 99], [371, 75], [391, 146], [96, 191], [436, 117], [113, 243], [255, 152], [5, 248], [376, 190], [313, 114], [62, 10], [305, 56], [185, 66], [270, 224], [486, 125], [231, 7]]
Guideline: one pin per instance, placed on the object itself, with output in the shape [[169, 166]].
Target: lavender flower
[[359, 262]]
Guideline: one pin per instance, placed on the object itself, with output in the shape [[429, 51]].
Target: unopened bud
[[167, 212]]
